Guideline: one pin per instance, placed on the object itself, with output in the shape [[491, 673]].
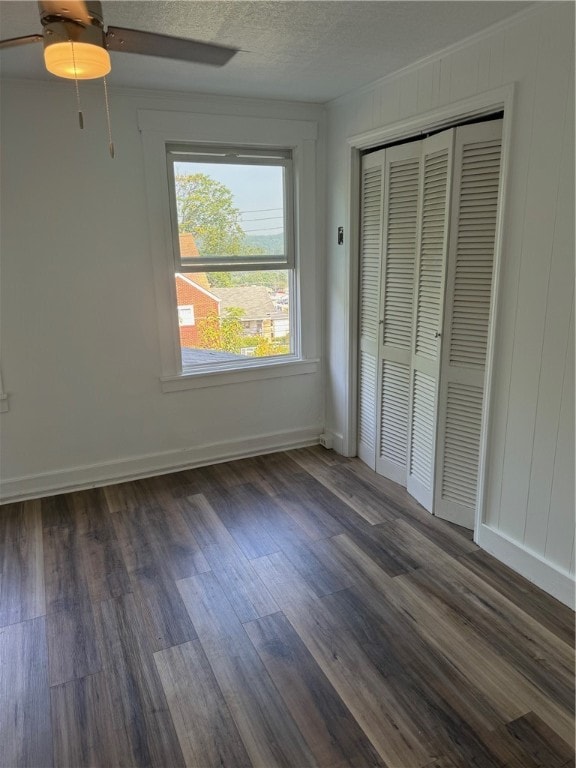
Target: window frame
[[159, 128], [230, 154]]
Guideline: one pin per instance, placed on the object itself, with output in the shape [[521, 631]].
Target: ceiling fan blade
[[71, 9], [151, 44], [12, 41]]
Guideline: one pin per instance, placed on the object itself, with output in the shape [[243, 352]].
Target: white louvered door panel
[[468, 307], [433, 229], [461, 443], [372, 176], [401, 212], [393, 425]]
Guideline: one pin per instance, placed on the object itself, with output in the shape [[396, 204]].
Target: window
[[252, 142], [233, 241], [185, 314]]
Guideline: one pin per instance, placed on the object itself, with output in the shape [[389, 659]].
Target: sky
[[257, 191]]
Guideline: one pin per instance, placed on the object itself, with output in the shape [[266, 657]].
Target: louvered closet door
[[435, 190], [372, 189], [401, 211], [468, 304]]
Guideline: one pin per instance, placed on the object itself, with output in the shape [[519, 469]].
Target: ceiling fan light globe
[[85, 62]]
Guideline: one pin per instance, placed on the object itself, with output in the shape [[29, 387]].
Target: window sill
[[200, 379]]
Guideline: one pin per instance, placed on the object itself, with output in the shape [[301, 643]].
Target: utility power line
[[261, 210], [264, 229], [264, 218]]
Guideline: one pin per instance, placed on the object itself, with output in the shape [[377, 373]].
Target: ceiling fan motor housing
[[65, 31], [61, 28], [82, 12]]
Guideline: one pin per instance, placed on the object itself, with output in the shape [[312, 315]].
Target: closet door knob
[[437, 335]]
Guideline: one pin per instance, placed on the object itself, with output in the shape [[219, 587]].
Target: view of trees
[[272, 279], [227, 334], [206, 209]]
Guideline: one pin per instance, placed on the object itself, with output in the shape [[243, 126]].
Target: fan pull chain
[[110, 142], [80, 115]]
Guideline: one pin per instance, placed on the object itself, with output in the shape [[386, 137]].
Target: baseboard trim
[[337, 441], [542, 573], [133, 468]]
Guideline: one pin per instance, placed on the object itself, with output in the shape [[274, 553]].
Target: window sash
[[230, 155]]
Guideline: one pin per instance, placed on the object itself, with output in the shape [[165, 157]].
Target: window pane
[[230, 210], [236, 315]]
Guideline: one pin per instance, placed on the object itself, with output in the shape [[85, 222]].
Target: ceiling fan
[[76, 44]]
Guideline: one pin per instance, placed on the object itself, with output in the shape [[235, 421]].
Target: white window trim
[[257, 369], [160, 128]]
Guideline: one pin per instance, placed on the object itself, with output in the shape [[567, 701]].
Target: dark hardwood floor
[[289, 610]]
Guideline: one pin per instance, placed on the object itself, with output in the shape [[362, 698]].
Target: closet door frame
[[369, 312], [497, 100]]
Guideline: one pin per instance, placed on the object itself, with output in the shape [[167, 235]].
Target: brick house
[[256, 306], [196, 299], [193, 296], [260, 317]]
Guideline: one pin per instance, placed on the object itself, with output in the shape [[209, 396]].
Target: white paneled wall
[[529, 504]]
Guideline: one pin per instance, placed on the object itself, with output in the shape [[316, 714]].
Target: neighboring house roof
[[253, 299], [199, 356], [189, 249], [191, 279], [188, 245]]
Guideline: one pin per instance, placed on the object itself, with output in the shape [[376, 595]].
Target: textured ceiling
[[305, 49]]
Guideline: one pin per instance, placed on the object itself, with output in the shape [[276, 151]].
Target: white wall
[[529, 512], [79, 350]]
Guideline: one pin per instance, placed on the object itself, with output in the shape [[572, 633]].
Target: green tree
[[272, 279], [264, 347], [232, 329], [225, 333], [209, 332], [221, 279], [206, 209]]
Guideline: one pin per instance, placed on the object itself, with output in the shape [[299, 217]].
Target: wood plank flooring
[[290, 610]]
